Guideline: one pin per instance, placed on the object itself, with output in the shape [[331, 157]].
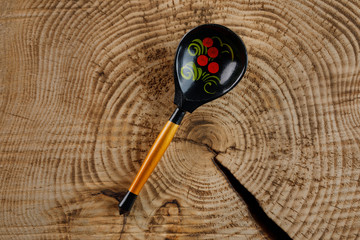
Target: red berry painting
[[213, 52], [213, 67], [202, 60], [207, 42], [205, 67]]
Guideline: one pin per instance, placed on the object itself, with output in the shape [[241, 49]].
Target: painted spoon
[[210, 60]]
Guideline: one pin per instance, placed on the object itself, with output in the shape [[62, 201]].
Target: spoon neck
[[177, 116]]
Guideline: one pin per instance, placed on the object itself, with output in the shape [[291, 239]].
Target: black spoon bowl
[[210, 60]]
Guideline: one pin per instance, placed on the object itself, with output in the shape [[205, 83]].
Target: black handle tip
[[127, 203], [121, 212], [177, 116]]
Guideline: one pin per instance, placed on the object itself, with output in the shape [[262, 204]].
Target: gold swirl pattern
[[210, 81], [190, 71], [197, 48], [228, 48]]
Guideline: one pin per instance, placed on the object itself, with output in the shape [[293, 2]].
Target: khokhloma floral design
[[206, 66]]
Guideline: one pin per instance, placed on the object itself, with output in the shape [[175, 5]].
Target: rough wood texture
[[87, 85]]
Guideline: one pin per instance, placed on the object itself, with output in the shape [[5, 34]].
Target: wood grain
[[87, 85]]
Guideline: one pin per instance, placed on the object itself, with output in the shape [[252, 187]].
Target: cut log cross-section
[[86, 86]]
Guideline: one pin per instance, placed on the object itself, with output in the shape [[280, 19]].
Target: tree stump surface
[[86, 86]]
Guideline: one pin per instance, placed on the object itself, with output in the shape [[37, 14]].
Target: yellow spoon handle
[[154, 155]]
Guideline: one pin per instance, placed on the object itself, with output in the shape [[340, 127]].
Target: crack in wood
[[273, 230], [269, 227], [123, 225], [117, 196]]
